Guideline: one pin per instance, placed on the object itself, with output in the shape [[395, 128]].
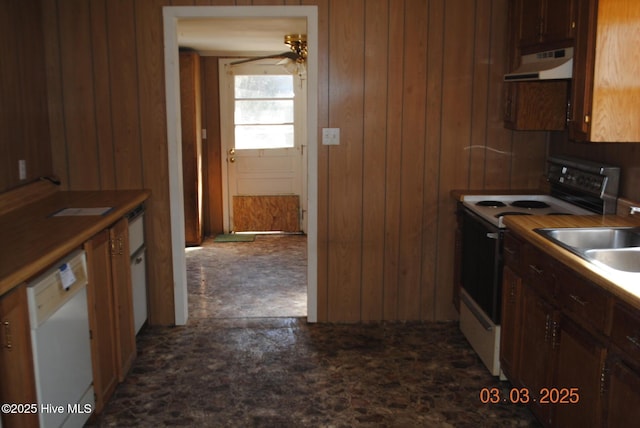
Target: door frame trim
[[171, 15]]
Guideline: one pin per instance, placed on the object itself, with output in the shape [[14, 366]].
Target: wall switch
[[330, 136], [22, 169]]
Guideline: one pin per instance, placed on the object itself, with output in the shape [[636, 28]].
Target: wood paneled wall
[[414, 85], [24, 129]]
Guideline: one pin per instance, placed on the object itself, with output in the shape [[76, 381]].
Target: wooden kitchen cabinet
[[580, 365], [510, 324], [536, 106], [17, 380], [543, 24], [555, 328], [622, 393], [604, 91], [538, 344], [101, 318], [123, 297], [110, 302]]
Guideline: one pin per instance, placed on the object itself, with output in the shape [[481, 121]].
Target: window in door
[[264, 112]]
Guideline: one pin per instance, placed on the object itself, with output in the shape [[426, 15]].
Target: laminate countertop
[[624, 286], [33, 239]]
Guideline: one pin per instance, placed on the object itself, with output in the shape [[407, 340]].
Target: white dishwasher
[[61, 344]]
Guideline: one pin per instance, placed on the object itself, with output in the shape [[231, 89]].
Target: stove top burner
[[510, 213], [530, 204], [495, 204]]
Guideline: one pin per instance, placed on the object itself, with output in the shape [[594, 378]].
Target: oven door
[[482, 263]]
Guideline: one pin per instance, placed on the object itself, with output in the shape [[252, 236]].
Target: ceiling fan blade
[[289, 54]]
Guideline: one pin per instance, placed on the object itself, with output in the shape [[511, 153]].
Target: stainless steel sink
[[627, 259], [616, 248], [595, 237]]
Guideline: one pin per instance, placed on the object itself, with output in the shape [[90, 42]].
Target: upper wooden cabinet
[[605, 88], [544, 24]]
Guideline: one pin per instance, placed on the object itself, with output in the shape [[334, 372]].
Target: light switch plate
[[330, 136]]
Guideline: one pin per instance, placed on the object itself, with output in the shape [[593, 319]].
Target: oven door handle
[[493, 235], [476, 311]]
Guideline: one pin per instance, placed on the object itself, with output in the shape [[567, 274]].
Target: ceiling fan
[[297, 53]]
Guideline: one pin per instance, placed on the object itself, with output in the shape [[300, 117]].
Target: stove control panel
[[583, 180], [586, 176]]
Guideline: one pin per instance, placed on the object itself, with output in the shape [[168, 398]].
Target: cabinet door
[[580, 365], [623, 395], [537, 347], [558, 21], [510, 325], [101, 318], [17, 381], [529, 16], [536, 106], [123, 297], [583, 66]]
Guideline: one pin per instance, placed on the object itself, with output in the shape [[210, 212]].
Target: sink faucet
[[634, 210]]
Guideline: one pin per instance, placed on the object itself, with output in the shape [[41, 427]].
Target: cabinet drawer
[[625, 330], [539, 272], [582, 299]]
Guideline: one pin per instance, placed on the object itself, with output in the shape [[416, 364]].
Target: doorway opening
[[172, 17]]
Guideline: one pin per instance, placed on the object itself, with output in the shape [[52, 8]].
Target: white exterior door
[[263, 129]]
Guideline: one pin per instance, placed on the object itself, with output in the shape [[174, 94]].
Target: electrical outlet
[[22, 169], [331, 136]]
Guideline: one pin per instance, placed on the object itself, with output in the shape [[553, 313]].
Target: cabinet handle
[[536, 269], [7, 333], [120, 245], [634, 340], [554, 335], [138, 260], [509, 251], [578, 300]]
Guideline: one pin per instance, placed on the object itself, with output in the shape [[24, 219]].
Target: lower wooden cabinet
[[580, 367], [101, 318], [571, 338], [17, 380], [110, 309], [510, 329], [622, 393]]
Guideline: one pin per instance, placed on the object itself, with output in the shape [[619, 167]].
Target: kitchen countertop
[[32, 239], [524, 226]]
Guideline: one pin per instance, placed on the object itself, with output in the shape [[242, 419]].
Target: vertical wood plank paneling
[[479, 99], [433, 121], [212, 146], [323, 158], [55, 100], [375, 130], [413, 135], [100, 57], [153, 133], [456, 119], [77, 86], [346, 48], [123, 73], [498, 139], [383, 194], [393, 158]]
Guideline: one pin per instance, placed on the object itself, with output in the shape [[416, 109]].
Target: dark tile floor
[[241, 369]]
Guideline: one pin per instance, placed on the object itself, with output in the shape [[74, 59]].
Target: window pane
[[264, 137], [264, 86], [264, 112]]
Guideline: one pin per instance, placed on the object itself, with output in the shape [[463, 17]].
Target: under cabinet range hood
[[549, 65]]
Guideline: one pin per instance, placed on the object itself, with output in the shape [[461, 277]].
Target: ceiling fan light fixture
[[298, 45]]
